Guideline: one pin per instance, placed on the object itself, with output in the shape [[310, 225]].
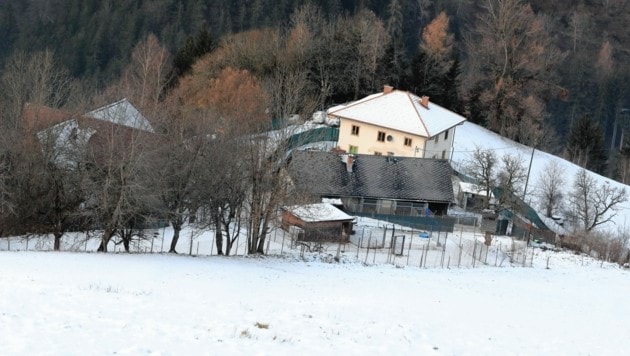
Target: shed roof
[[318, 212], [402, 178], [399, 110]]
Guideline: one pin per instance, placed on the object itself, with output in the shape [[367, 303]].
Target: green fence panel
[[429, 223]]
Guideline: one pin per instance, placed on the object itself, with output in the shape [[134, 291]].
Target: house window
[[355, 130], [353, 149], [446, 135], [381, 136], [376, 153], [390, 153], [407, 141], [437, 139], [443, 154]]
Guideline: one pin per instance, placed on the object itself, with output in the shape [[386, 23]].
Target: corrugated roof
[[404, 178], [399, 110]]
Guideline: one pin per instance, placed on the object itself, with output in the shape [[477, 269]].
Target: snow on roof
[[318, 212], [334, 201], [473, 188], [122, 113], [399, 110]]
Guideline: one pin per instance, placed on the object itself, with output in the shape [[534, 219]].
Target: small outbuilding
[[320, 222]]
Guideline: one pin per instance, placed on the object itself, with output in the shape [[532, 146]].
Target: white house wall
[[439, 147], [367, 140]]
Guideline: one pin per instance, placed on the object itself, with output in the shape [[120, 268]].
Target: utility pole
[[624, 112], [529, 171]]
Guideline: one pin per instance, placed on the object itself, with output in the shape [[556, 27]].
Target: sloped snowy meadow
[[85, 303]]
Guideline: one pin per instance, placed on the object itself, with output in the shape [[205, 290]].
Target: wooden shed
[[320, 222]]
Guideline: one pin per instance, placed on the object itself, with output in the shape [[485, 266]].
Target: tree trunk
[[126, 240], [228, 238], [261, 244], [177, 227], [254, 232], [107, 235], [57, 245], [228, 245], [218, 236]]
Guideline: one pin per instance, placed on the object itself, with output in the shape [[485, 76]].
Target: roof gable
[[403, 178], [122, 113], [399, 110]]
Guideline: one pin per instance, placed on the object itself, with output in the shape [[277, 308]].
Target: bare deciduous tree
[[36, 79], [60, 176], [267, 187], [510, 177], [595, 204], [116, 187], [145, 78], [550, 184], [221, 193], [368, 40], [511, 60], [35, 192], [481, 167]]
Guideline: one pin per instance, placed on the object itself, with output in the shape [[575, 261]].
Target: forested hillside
[[94, 40], [551, 74]]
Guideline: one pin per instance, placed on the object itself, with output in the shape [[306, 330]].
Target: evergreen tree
[[585, 144], [8, 29], [194, 48], [393, 66]]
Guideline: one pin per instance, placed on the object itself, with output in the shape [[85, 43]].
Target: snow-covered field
[[83, 303]]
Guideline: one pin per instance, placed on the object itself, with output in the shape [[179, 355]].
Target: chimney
[[387, 89], [424, 101], [348, 160], [349, 163]]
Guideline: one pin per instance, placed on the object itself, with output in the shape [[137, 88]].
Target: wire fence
[[386, 244]]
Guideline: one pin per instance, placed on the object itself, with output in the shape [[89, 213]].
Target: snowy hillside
[[129, 304], [470, 135]]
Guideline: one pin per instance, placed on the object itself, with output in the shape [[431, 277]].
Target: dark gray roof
[[404, 178]]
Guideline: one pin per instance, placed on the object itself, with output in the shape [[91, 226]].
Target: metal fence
[[370, 245]]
